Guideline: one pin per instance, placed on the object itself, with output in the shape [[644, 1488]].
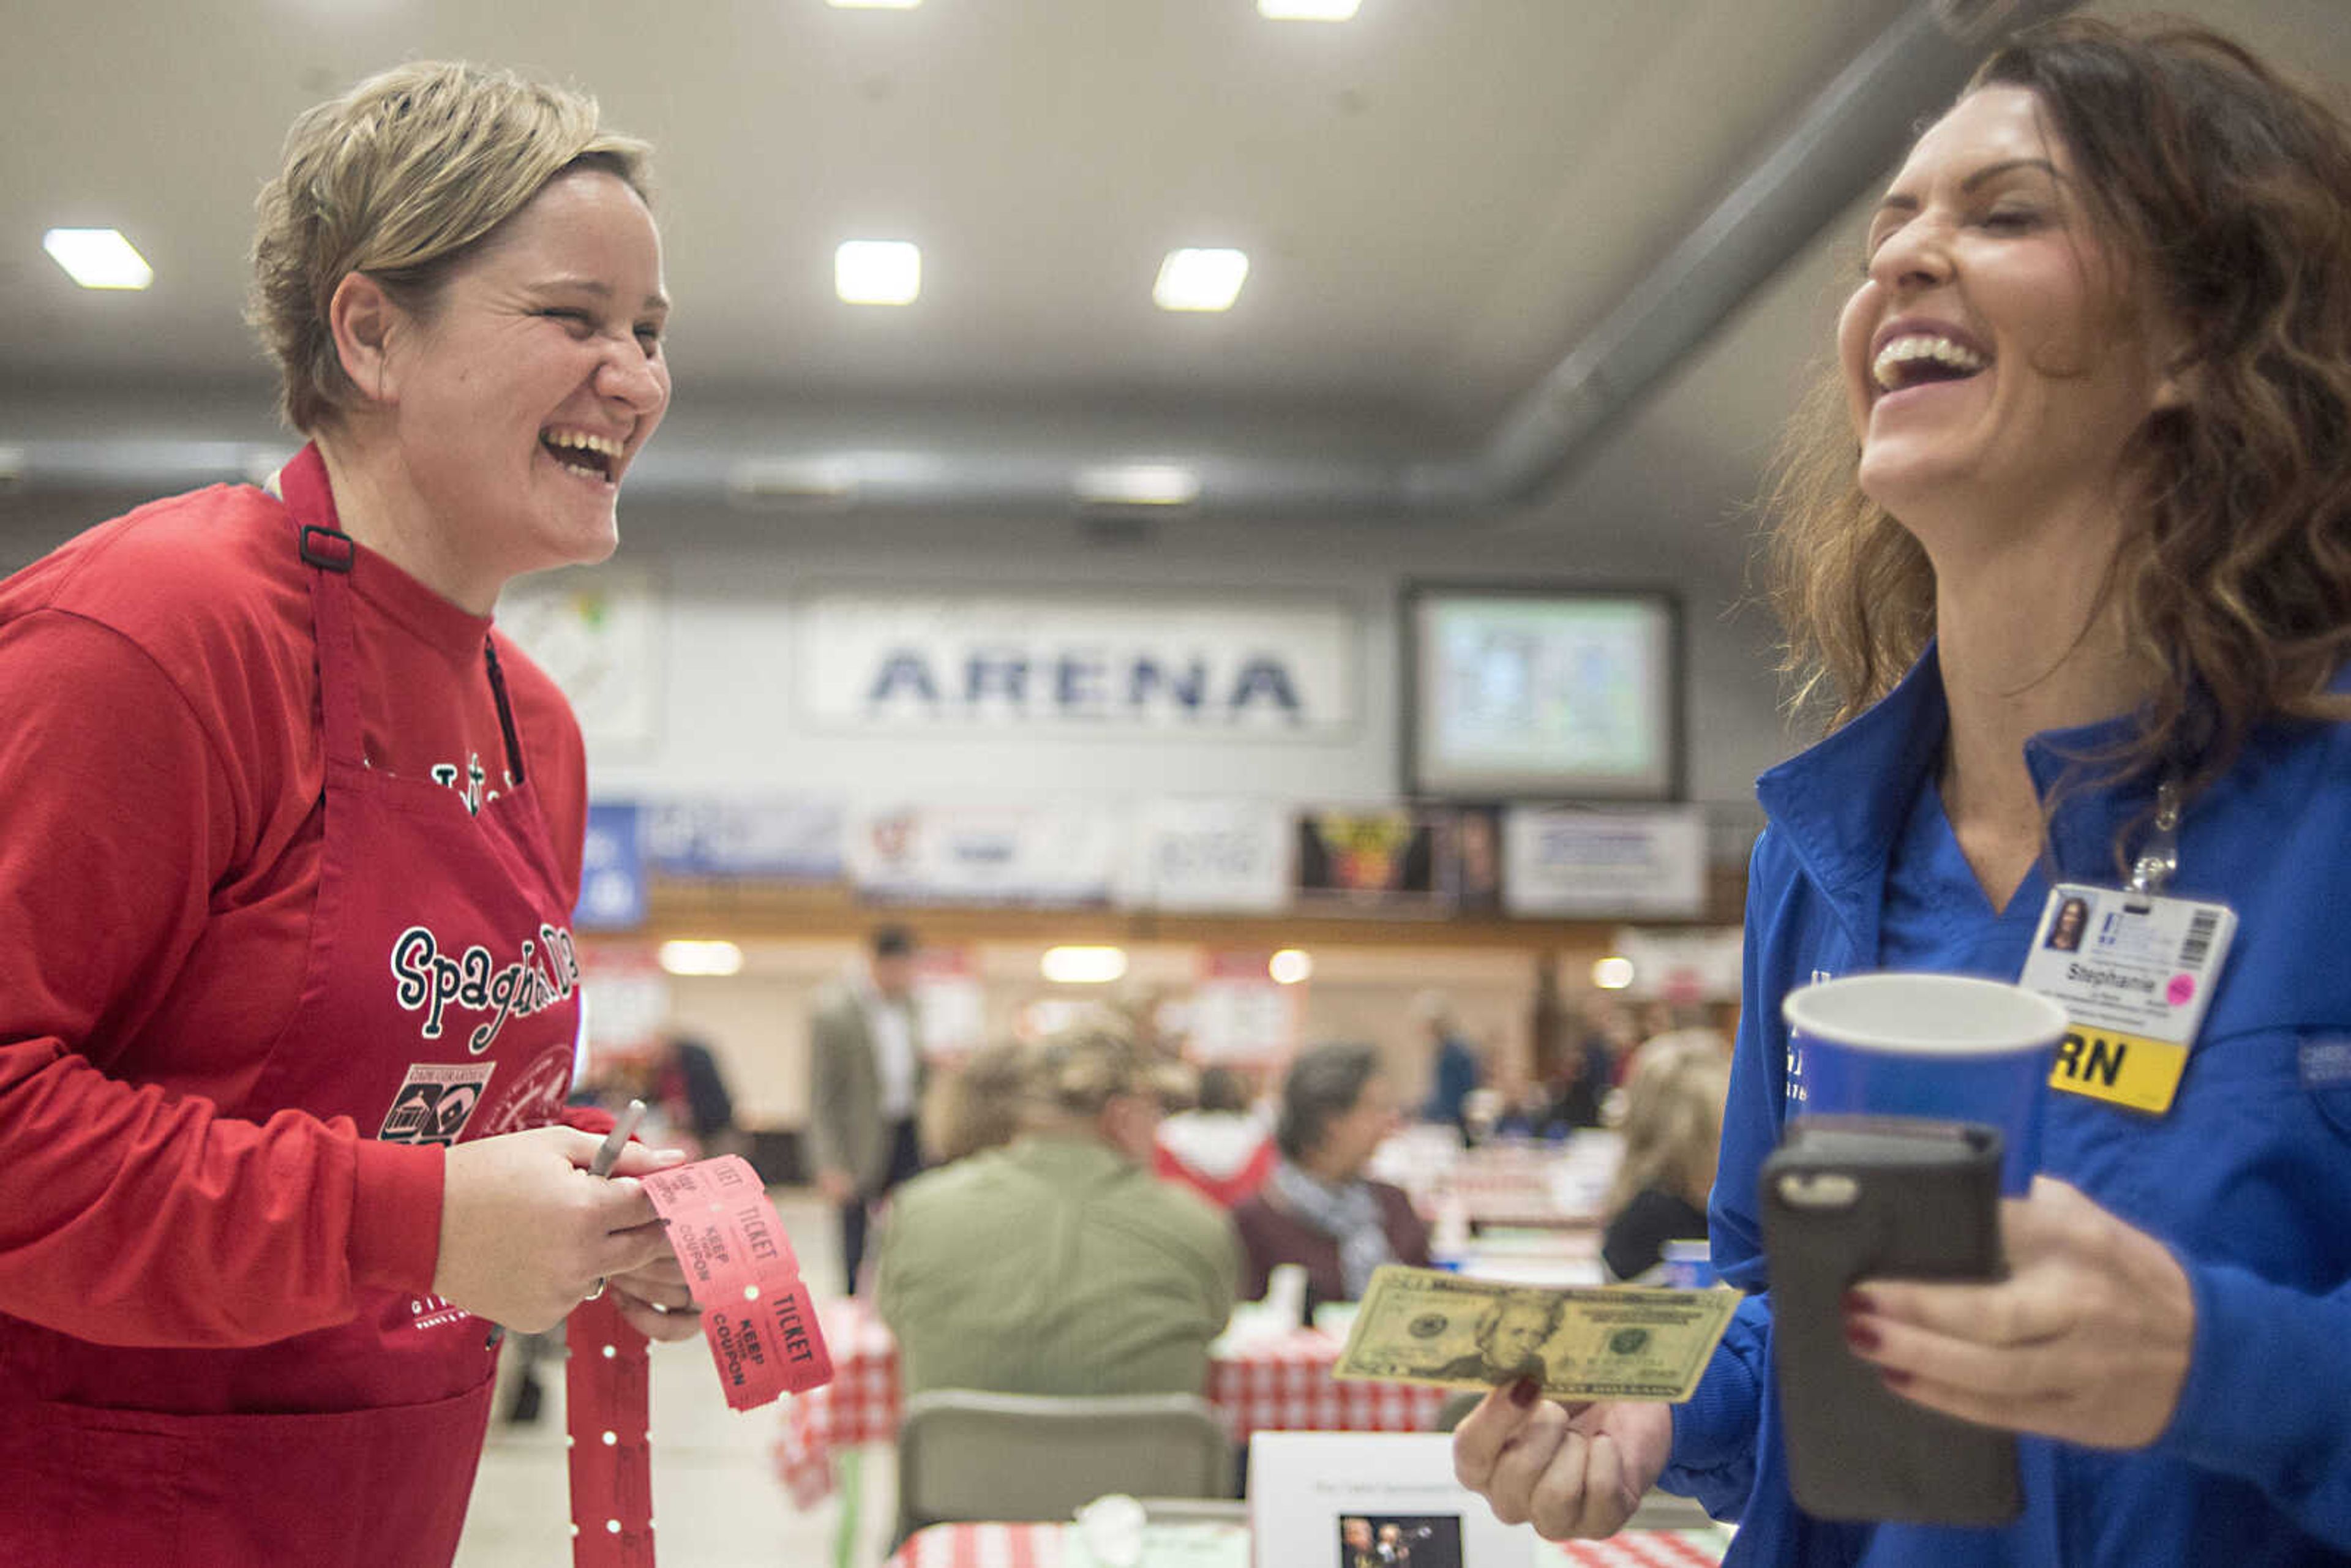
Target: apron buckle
[[334, 553]]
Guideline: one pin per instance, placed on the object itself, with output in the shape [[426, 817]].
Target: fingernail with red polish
[[1863, 1337], [1859, 1302], [1524, 1392], [1893, 1379]]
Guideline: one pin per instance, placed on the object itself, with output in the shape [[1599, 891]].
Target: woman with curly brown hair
[[2089, 483]]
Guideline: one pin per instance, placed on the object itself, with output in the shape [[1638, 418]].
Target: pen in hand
[[608, 1153]]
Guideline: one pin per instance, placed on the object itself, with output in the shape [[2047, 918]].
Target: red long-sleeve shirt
[[160, 771]]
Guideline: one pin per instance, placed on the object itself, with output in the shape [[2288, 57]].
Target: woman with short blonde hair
[[288, 988]]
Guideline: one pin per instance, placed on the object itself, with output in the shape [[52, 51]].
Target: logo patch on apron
[[435, 1102]]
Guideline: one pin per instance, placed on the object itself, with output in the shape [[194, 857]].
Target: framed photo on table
[[1372, 1499]]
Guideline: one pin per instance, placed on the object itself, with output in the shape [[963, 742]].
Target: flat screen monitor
[[1541, 693]]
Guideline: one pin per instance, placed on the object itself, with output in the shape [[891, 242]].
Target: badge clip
[[2158, 856]]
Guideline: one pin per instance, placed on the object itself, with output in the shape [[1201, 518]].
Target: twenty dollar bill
[[1422, 1325]]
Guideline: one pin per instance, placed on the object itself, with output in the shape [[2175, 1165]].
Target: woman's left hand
[[654, 1301], [2086, 1340]]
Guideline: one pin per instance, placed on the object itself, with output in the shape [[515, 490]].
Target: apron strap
[[607, 1394], [506, 711], [329, 554]]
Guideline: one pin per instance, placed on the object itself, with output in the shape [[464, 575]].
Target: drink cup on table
[[1939, 1047]]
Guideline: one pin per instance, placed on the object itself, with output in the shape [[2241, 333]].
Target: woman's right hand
[[527, 1230], [1571, 1470]]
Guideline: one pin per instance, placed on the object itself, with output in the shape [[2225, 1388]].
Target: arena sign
[[1267, 666]]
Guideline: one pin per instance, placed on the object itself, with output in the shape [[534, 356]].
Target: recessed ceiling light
[[1200, 280], [877, 271], [98, 258], [1139, 485], [1290, 967], [1083, 966], [1301, 10], [874, 4], [691, 957], [1613, 973]]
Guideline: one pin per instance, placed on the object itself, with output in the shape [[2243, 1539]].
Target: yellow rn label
[[2127, 1068]]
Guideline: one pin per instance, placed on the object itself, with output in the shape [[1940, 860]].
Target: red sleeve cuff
[[396, 1215], [588, 1119]]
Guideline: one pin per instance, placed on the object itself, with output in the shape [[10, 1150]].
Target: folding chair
[[965, 1455]]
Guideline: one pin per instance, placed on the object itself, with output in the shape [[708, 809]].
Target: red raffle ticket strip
[[756, 1312]]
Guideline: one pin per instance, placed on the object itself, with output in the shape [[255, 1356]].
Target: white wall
[[728, 726]]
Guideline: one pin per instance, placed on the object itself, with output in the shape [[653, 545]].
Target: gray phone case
[[1849, 1198]]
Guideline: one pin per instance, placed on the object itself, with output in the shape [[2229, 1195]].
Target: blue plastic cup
[[1940, 1047]]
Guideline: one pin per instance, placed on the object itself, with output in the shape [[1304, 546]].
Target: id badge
[[2134, 972]]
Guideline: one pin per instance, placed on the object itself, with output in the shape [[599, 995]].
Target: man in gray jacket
[[865, 1083]]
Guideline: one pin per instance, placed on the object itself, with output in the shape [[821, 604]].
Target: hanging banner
[[1238, 1013], [791, 839], [1684, 967], [611, 870], [1059, 852], [1379, 860], [599, 632], [950, 1003], [1209, 856], [1477, 860], [1271, 668], [625, 999], [1562, 861]]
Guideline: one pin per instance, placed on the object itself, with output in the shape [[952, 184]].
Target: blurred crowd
[[1083, 1212]]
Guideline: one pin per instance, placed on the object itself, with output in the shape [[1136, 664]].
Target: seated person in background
[[1316, 1209], [1220, 1147], [1673, 1133], [690, 1089], [975, 1105], [1056, 1263], [1579, 1086], [1524, 1108]]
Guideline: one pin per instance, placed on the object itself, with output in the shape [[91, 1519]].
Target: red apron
[[439, 1002]]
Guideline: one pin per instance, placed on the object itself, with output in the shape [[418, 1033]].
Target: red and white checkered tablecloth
[[1285, 1385], [981, 1546], [1636, 1549], [1277, 1386], [860, 1405], [1040, 1546]]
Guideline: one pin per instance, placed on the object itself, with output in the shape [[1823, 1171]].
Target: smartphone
[[1846, 1198]]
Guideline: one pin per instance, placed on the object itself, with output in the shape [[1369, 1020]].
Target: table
[[1511, 1183], [1273, 1385], [1040, 1546]]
